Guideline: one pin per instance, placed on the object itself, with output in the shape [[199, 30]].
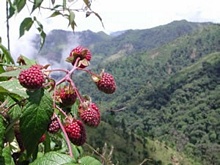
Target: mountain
[[167, 87]]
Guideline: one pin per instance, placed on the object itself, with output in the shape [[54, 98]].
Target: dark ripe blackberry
[[54, 126]]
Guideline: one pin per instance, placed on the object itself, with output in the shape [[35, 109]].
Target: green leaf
[[6, 55], [42, 38], [35, 118], [88, 160], [25, 25], [37, 3], [8, 160], [20, 5], [76, 151], [2, 133], [72, 22], [56, 13], [12, 10], [41, 32], [15, 110], [13, 88], [54, 158], [13, 73]]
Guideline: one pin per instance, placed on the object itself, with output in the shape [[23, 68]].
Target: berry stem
[[62, 70], [66, 136], [61, 110]]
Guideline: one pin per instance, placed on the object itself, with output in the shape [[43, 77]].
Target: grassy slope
[[160, 151], [134, 150]]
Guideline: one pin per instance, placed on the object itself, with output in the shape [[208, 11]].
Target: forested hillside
[[168, 86]]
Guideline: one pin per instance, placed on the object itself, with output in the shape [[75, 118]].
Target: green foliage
[[87, 160], [5, 56], [35, 118], [54, 158]]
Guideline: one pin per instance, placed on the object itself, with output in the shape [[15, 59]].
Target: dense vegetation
[[168, 81]]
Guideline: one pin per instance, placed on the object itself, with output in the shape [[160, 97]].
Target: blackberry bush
[[34, 114]]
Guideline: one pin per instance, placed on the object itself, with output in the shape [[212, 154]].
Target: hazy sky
[[121, 15]]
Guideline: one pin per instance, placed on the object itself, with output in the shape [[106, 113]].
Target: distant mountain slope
[[170, 93], [167, 83], [103, 45]]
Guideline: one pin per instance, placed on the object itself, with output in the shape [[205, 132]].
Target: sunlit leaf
[[25, 25], [54, 158], [8, 160], [88, 160], [12, 87], [13, 73]]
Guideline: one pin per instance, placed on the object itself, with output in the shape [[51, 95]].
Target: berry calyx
[[53, 126], [105, 82], [66, 96], [90, 115], [80, 52], [76, 132], [32, 78]]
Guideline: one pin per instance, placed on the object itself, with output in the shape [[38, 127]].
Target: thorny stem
[[65, 135]]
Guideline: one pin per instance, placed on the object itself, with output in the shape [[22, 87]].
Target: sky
[[117, 15]]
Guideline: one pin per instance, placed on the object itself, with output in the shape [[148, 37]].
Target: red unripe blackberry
[[66, 96], [53, 126], [91, 115], [31, 78], [106, 83], [80, 52], [76, 132]]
